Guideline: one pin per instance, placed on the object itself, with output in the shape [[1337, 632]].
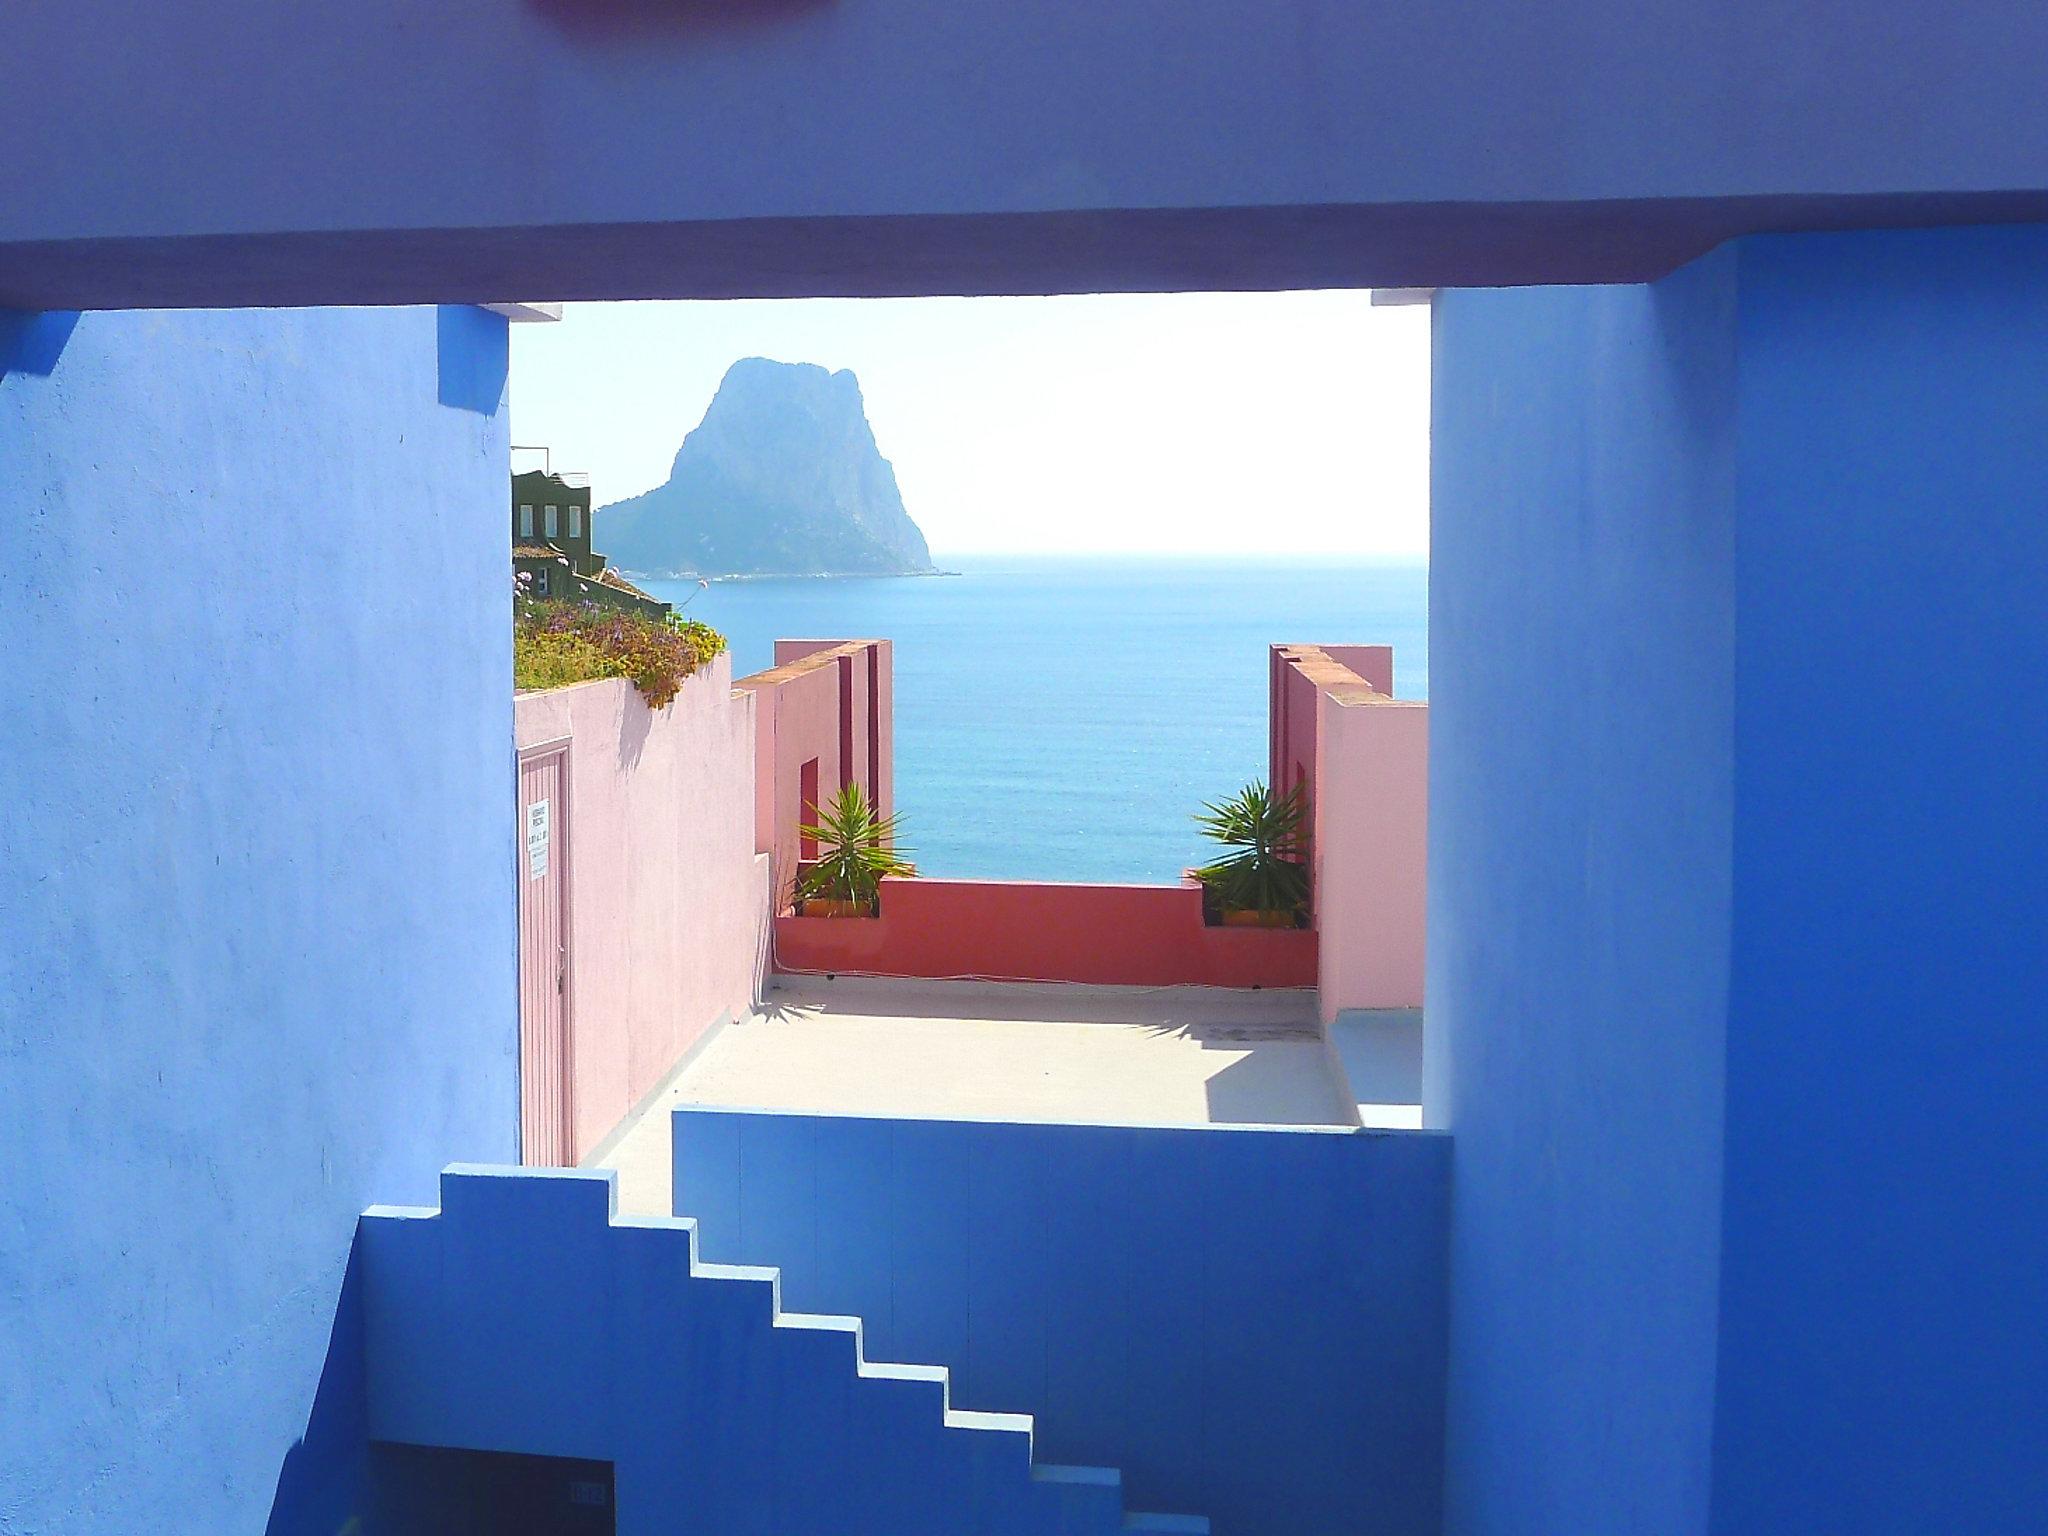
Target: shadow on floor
[[1278, 1087], [1381, 1049]]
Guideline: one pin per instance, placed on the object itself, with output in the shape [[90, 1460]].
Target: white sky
[[1186, 423]]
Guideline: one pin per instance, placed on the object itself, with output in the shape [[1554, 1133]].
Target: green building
[[551, 547]]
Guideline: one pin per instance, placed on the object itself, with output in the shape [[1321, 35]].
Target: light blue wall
[[1738, 869], [1581, 603], [255, 883], [1247, 1323], [1884, 1332], [239, 151]]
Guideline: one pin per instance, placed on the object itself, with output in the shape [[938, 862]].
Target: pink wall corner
[[1374, 664], [1291, 723], [1298, 676], [787, 651], [825, 700], [1371, 839], [764, 765], [882, 662], [668, 899]]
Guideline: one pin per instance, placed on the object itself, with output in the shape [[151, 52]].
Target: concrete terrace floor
[[1001, 1051]]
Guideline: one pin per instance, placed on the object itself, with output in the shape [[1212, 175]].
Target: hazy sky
[[1198, 423]]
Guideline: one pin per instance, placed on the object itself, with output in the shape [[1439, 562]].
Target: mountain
[[782, 477]]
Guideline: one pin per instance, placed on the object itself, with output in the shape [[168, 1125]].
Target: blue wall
[[711, 147], [1581, 637], [1737, 962], [255, 881], [1248, 1323], [1884, 1332], [524, 1316]]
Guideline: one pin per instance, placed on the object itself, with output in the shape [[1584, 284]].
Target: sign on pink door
[[546, 1136]]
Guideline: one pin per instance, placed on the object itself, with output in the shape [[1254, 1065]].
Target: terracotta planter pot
[[818, 906], [1233, 918]]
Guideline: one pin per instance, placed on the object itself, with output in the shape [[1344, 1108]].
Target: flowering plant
[[556, 643]]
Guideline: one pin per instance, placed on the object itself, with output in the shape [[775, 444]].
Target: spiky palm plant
[[1268, 869], [856, 848]]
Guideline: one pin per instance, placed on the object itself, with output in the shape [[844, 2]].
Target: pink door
[[545, 1137]]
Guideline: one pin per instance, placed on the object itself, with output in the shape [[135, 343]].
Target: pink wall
[[1298, 675], [1366, 759], [1132, 935], [831, 700], [1362, 754], [667, 898], [1374, 664]]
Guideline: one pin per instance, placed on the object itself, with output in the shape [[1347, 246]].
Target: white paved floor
[[981, 1050]]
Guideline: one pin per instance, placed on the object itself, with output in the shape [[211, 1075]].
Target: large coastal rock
[[782, 477]]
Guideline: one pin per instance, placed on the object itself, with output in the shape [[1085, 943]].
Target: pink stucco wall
[[829, 700], [1365, 758], [1130, 935], [1298, 673], [667, 897], [1362, 755]]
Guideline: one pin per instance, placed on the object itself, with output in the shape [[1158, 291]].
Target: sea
[[1065, 718]]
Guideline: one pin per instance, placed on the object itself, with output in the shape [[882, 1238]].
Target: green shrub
[[1267, 868], [557, 643], [856, 849]]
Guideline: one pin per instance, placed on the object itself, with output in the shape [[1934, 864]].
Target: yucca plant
[[856, 848], [1267, 871]]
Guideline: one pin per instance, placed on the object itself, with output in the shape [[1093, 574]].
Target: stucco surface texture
[[1363, 758], [1736, 963], [523, 1317], [1052, 1053], [828, 703], [1046, 931], [973, 145], [1247, 1320], [667, 898], [257, 951]]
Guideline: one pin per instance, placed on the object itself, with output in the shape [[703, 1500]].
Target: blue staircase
[[527, 1316]]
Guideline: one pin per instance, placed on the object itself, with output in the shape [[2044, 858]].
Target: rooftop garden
[[557, 643]]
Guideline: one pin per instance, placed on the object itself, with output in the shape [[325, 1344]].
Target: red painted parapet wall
[[1362, 755], [1112, 935]]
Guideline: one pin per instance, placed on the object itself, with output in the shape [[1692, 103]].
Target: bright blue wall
[[843, 146], [1247, 1323], [1738, 869], [525, 1316], [1884, 1333], [1581, 613], [255, 883]]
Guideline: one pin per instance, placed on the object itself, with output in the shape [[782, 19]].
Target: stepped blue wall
[[1248, 1323], [1737, 873], [523, 1316], [259, 956]]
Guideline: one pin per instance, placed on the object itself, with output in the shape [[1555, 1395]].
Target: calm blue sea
[[1062, 719]]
